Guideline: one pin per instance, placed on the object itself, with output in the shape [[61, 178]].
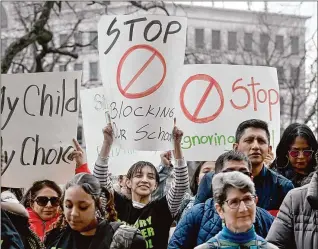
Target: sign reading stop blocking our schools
[[94, 111], [39, 114], [214, 99], [139, 56]]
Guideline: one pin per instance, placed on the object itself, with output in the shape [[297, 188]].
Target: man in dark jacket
[[253, 139], [202, 221], [297, 221]]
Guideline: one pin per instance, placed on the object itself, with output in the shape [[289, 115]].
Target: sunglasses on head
[[296, 153], [43, 201]]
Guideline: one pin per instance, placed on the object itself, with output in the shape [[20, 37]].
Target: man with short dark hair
[[202, 221], [253, 139]]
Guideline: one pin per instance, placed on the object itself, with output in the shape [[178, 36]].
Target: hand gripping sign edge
[[151, 89], [212, 82]]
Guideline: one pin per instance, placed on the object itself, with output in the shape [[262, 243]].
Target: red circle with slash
[[155, 53], [212, 83]]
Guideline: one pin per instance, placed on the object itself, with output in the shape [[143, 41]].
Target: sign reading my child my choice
[[38, 122], [139, 56], [94, 111], [214, 99]]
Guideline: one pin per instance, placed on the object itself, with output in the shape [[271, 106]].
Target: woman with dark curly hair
[[295, 153], [83, 222], [42, 201]]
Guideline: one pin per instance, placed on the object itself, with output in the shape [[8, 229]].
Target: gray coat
[[296, 225]]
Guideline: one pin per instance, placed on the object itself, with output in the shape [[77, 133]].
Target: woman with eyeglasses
[[235, 202], [295, 153], [42, 201]]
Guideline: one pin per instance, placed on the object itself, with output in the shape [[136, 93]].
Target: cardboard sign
[[94, 107], [139, 56], [38, 122], [214, 99]]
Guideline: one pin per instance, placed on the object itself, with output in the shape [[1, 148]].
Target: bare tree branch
[[150, 6], [23, 42]]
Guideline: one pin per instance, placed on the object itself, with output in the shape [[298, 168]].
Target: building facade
[[214, 36]]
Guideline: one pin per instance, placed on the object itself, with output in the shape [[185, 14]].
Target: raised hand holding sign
[[139, 58]]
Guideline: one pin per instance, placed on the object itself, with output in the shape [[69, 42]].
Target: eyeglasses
[[296, 153], [43, 201], [236, 202], [245, 172]]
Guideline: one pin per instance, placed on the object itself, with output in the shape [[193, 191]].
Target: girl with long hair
[[295, 153]]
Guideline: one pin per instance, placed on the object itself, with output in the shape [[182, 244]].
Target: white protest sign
[[93, 103], [139, 56], [214, 99], [39, 113]]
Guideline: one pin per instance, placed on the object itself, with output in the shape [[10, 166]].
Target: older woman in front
[[235, 202]]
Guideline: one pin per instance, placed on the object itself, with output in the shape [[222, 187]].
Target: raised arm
[[180, 182], [79, 156], [165, 170], [101, 165]]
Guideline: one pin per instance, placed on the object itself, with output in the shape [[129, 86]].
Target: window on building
[[248, 41], [294, 76], [78, 67], [62, 68], [4, 44], [199, 38], [93, 38], [93, 71], [4, 17], [63, 39], [216, 39], [231, 40], [294, 44], [279, 43], [264, 40], [78, 39]]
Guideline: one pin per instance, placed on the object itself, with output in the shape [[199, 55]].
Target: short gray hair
[[222, 182]]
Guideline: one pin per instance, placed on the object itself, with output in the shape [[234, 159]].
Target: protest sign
[[94, 107], [214, 99], [139, 56], [38, 121]]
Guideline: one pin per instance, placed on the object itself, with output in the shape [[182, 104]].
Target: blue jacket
[[202, 222], [271, 189]]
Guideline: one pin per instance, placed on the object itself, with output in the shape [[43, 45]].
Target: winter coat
[[15, 229], [202, 222], [230, 240], [271, 189], [66, 238], [296, 225]]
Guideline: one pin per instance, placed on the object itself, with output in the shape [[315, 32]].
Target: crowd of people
[[244, 199]]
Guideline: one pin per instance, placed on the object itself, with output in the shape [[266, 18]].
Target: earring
[[223, 223], [279, 167]]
